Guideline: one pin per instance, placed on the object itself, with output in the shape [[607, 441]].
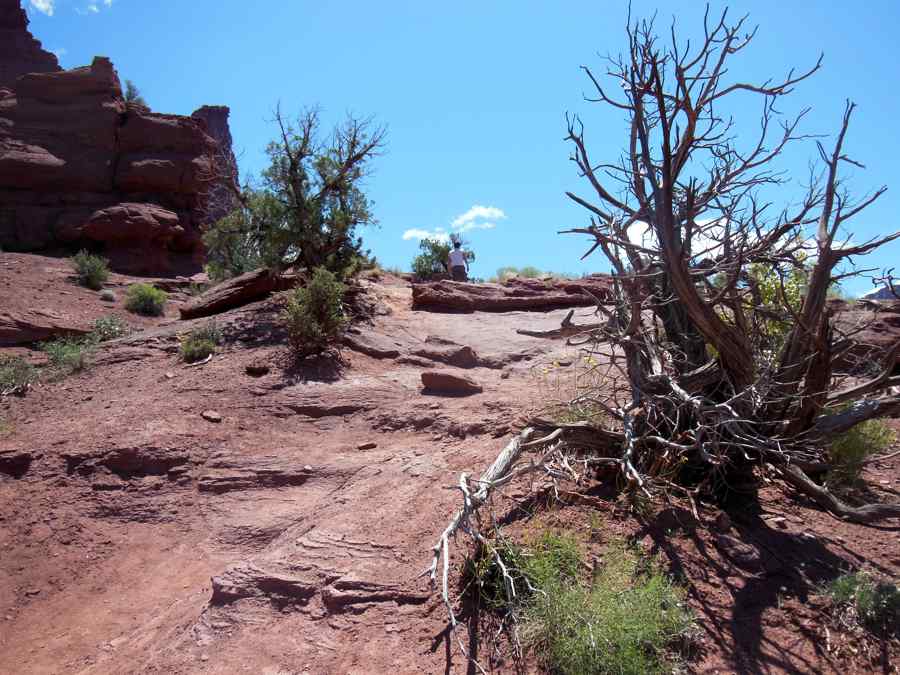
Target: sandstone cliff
[[80, 167], [20, 53]]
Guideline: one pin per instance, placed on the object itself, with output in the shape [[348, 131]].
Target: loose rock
[[211, 416], [444, 382]]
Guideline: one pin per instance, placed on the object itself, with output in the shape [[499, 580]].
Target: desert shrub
[[528, 272], [201, 342], [145, 299], [109, 328], [625, 620], [314, 316], [133, 95], [876, 604], [549, 559], [850, 450], [92, 270], [15, 374], [67, 355]]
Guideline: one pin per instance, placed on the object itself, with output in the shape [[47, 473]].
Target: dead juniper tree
[[701, 390]]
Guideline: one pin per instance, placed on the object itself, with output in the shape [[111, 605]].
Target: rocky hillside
[[251, 514]]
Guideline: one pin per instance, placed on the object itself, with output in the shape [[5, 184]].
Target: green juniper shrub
[[67, 355], [875, 603], [201, 342], [850, 450], [92, 270], [15, 374], [314, 315], [145, 299], [109, 328]]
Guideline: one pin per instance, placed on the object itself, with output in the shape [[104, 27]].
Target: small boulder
[[211, 416], [445, 382], [367, 446]]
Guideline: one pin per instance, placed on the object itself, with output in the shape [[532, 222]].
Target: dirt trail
[[311, 505]]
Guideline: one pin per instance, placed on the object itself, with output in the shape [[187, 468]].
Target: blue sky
[[474, 96]]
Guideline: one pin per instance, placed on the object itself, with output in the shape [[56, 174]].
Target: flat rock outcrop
[[516, 294], [20, 53], [79, 167]]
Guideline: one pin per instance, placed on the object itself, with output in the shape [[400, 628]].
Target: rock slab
[[445, 382]]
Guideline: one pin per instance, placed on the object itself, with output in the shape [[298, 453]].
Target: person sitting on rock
[[459, 266]]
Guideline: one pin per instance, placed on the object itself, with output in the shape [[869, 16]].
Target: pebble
[[367, 446], [211, 416]]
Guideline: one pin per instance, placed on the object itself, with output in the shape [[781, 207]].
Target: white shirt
[[457, 258]]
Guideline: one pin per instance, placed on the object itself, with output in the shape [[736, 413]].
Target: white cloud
[[475, 218], [108, 3], [469, 220], [44, 6], [438, 234], [93, 8]]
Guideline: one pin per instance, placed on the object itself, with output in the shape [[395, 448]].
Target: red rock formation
[[515, 294], [20, 53], [80, 167]]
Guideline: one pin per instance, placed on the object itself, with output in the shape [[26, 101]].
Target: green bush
[[550, 559], [67, 355], [875, 603], [850, 450], [145, 299], [626, 621], [92, 270], [201, 342], [314, 316], [433, 256], [15, 374], [109, 328]]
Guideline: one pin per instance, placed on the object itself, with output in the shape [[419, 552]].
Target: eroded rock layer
[[515, 294], [20, 53], [81, 167]]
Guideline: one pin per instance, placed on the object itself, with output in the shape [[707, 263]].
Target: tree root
[[867, 514]]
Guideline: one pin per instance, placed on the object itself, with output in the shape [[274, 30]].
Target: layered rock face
[[20, 53], [80, 167], [515, 294]]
